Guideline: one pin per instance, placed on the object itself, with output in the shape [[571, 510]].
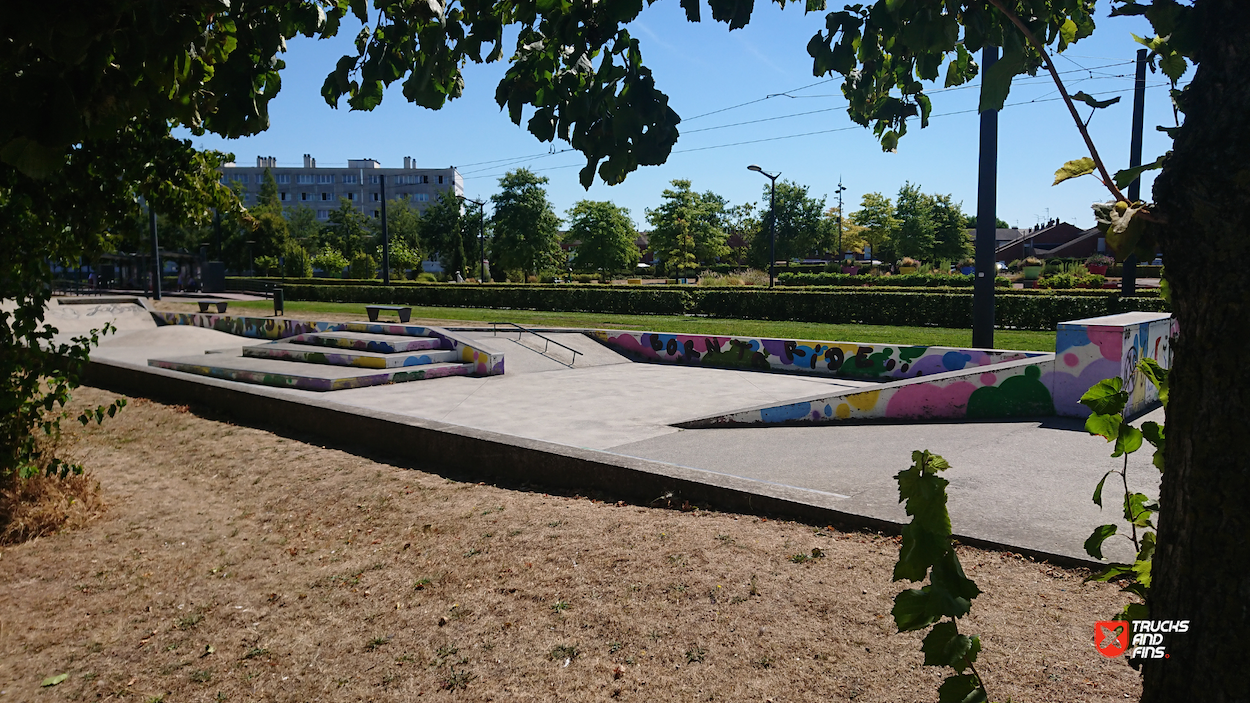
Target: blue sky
[[743, 96]]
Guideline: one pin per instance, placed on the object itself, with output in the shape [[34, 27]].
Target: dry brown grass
[[42, 505], [236, 564]]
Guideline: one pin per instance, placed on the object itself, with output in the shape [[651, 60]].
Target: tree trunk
[[1202, 568]]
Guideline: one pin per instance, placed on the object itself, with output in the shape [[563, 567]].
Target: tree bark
[[1202, 568]]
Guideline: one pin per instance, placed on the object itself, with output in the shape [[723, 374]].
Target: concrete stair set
[[326, 361]]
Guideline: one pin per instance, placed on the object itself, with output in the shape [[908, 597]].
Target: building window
[[351, 178], [325, 177], [377, 197], [305, 196], [245, 197], [440, 180], [424, 179], [423, 197], [282, 178], [327, 197], [323, 214], [373, 180], [351, 197], [377, 213], [304, 178], [283, 196]]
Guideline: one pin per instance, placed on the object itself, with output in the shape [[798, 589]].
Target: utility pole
[[386, 240], [987, 219], [1128, 277], [772, 224]]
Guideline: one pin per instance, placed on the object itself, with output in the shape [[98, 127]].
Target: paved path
[[1025, 483]]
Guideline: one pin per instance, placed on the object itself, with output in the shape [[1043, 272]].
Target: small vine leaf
[[1073, 169], [1135, 510], [961, 688], [911, 610], [1147, 550], [1105, 397], [1111, 571], [1127, 441], [1126, 176], [1106, 426], [1098, 490], [1141, 568], [1095, 102], [54, 680], [1093, 545], [1156, 374], [944, 646]]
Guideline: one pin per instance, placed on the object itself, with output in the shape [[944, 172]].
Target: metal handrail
[[549, 341]]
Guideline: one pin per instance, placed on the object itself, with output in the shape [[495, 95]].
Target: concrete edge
[[489, 456], [104, 300]]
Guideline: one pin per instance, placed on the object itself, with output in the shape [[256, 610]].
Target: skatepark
[[589, 410]]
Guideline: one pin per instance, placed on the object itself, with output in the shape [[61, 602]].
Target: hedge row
[[910, 308], [907, 280]]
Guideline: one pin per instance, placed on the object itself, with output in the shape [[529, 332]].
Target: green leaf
[[961, 689], [911, 610], [919, 551], [54, 680], [944, 646], [996, 81], [1067, 31], [1093, 545], [1098, 489], [1105, 397], [1073, 169], [692, 9], [1136, 509], [1095, 102], [1126, 176], [1153, 432], [1111, 571], [1128, 440], [1157, 375], [1107, 426]]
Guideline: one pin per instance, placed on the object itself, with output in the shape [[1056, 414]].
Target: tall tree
[[304, 227], [526, 229], [740, 223], [685, 215], [880, 224], [605, 236], [799, 231], [950, 239], [348, 230], [917, 229], [443, 225]]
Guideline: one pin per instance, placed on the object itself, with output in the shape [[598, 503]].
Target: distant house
[[1054, 239]]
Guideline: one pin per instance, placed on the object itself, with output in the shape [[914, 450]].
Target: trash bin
[[278, 302]]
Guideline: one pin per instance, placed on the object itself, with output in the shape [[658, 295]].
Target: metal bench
[[220, 305], [404, 312]]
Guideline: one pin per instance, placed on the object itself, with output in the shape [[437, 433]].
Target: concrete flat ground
[[1024, 483]]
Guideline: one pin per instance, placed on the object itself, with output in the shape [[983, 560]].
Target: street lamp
[[481, 236], [772, 225], [841, 188]]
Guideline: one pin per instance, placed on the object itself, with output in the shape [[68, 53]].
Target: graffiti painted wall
[[840, 359], [1040, 385], [1088, 351], [485, 363]]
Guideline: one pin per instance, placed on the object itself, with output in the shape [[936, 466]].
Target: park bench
[[404, 312], [219, 304]]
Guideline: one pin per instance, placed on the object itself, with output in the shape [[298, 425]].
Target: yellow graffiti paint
[[843, 411], [864, 401]]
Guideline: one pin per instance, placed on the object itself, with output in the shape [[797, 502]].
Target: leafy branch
[[927, 551], [1106, 401], [1106, 179]]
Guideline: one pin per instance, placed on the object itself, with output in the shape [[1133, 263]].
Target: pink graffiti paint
[[1109, 341], [988, 379], [929, 400], [1071, 359]]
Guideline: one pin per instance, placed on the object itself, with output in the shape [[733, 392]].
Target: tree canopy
[[687, 227], [525, 226], [605, 236], [801, 232]]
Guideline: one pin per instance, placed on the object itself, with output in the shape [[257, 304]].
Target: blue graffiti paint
[[955, 361], [828, 410], [1069, 337], [784, 413]]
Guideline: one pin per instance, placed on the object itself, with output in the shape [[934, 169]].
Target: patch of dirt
[[235, 564]]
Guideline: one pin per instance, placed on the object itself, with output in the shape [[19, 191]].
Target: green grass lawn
[[927, 336]]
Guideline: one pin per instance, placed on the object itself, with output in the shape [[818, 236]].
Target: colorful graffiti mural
[[930, 383], [312, 383], [837, 359]]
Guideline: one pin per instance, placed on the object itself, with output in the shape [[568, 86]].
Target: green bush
[[363, 266], [297, 263], [908, 280], [266, 265], [1039, 310], [330, 261]]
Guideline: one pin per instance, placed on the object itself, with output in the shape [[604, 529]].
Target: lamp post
[[841, 189], [481, 236], [772, 224]]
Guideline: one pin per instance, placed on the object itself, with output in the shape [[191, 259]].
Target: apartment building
[[360, 183]]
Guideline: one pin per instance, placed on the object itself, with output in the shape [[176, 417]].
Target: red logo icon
[[1111, 637]]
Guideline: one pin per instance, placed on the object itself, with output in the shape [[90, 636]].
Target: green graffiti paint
[[1018, 396]]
